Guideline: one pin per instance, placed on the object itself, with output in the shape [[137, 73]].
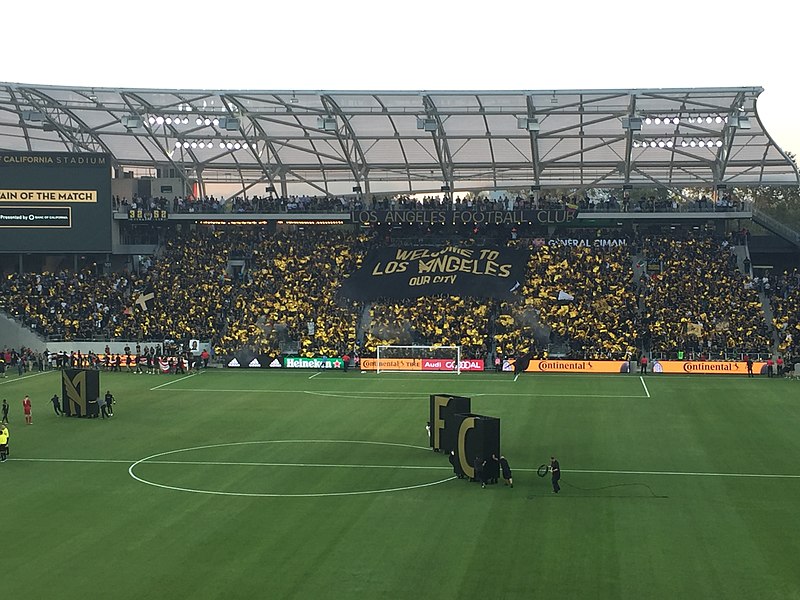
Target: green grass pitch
[[320, 485]]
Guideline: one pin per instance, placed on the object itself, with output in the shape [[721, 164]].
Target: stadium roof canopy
[[409, 141]]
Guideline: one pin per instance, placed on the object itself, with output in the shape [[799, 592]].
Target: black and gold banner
[[396, 273], [478, 440], [444, 430], [80, 389]]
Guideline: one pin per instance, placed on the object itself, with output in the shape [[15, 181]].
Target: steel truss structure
[[334, 142]]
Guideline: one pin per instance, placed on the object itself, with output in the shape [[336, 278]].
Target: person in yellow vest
[[3, 443]]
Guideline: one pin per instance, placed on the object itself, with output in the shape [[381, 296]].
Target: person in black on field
[[456, 465], [555, 469], [5, 411], [56, 400], [109, 403], [479, 466], [493, 468], [506, 471]]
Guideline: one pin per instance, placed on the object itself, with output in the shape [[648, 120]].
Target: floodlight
[[199, 121]]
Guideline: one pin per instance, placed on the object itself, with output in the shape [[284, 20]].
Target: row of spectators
[[344, 204]]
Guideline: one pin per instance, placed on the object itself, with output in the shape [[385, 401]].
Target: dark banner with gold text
[[479, 272], [561, 216]]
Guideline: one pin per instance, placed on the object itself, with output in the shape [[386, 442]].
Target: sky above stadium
[[412, 45]]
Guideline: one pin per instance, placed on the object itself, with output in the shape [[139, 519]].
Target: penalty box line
[[415, 467]]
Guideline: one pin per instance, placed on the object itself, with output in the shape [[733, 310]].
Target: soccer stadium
[[397, 344]]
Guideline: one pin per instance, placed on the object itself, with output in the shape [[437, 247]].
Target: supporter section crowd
[[784, 293], [597, 315], [276, 293], [700, 301]]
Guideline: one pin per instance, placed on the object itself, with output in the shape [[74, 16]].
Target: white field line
[[163, 385], [425, 467], [315, 374], [16, 379], [646, 391]]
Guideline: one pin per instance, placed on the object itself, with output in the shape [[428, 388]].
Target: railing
[[775, 226], [709, 356]]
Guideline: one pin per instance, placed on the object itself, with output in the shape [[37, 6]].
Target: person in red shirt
[[643, 365], [770, 367], [26, 408]]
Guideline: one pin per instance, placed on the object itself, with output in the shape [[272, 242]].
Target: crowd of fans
[[429, 320], [596, 314], [700, 302], [784, 293], [277, 293]]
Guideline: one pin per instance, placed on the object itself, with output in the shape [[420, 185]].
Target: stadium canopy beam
[[73, 130], [729, 134], [440, 142], [13, 98], [348, 141], [536, 161]]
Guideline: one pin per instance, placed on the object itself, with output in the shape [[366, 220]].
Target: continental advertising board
[[623, 366], [420, 364], [55, 202]]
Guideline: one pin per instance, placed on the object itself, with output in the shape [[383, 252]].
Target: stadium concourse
[[288, 293]]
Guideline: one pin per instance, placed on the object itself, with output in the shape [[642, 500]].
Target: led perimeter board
[[55, 202]]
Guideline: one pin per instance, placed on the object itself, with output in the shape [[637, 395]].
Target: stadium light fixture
[[632, 123], [131, 121]]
